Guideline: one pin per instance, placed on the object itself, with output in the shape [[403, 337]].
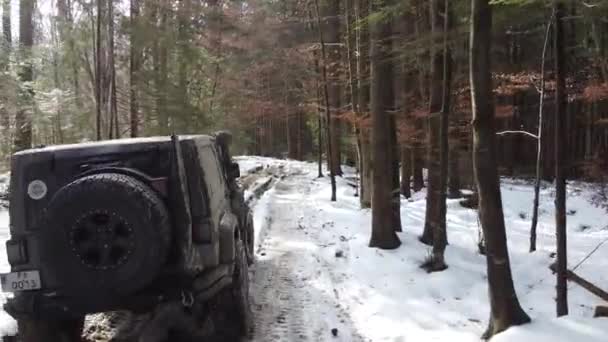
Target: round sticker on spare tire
[[37, 189]]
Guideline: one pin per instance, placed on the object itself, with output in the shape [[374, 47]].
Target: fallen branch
[[534, 136], [584, 283], [601, 311]]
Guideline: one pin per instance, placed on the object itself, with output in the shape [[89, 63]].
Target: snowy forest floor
[[314, 272]]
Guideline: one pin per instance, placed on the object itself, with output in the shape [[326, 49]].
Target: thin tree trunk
[[331, 27], [329, 139], [160, 66], [406, 171], [560, 165], [98, 70], [505, 308], [420, 27], [382, 98], [6, 47], [134, 66], [363, 99], [113, 131], [23, 119], [539, 141]]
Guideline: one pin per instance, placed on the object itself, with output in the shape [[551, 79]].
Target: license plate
[[20, 281]]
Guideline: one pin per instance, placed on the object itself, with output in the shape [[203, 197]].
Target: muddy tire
[[250, 240], [46, 331], [236, 319], [107, 233]]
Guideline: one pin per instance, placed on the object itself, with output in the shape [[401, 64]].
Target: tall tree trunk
[[432, 222], [560, 162], [6, 47], [331, 23], [183, 102], [420, 27], [6, 23], [98, 71], [505, 308], [363, 98], [160, 69], [440, 239], [23, 119], [382, 99], [328, 109], [134, 68], [113, 131]]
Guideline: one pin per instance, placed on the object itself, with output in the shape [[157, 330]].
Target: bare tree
[[539, 143], [505, 308]]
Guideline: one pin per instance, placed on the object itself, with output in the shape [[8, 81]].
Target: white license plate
[[20, 281]]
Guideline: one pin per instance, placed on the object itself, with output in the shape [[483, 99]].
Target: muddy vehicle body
[[134, 224]]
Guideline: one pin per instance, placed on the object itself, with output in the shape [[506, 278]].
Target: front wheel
[[47, 330]]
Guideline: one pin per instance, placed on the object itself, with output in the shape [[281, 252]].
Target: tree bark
[[433, 222], [98, 72], [134, 68], [382, 98], [560, 165], [160, 69], [6, 47], [331, 22], [420, 27], [113, 131], [505, 308], [23, 119], [363, 92], [406, 171], [324, 70], [440, 238]]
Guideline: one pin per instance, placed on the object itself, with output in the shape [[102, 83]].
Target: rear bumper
[[48, 306]]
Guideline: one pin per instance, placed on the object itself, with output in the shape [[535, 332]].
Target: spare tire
[[107, 234]]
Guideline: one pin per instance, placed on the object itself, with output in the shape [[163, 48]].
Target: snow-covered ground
[[314, 272]]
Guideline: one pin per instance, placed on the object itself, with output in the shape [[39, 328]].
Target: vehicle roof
[[112, 143]]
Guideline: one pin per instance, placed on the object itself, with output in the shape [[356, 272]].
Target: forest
[[443, 96]]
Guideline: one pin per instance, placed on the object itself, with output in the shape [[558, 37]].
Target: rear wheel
[[47, 330], [235, 318]]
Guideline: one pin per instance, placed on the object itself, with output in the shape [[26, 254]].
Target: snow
[[314, 271], [384, 295]]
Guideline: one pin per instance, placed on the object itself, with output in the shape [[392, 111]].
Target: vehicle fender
[[228, 235]]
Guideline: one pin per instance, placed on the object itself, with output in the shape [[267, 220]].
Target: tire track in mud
[[292, 289]]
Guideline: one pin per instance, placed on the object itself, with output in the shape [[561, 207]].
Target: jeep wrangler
[[127, 225]]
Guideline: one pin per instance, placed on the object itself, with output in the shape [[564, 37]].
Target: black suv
[[134, 224]]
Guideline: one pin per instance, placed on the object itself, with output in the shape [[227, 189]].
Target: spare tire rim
[[102, 240]]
